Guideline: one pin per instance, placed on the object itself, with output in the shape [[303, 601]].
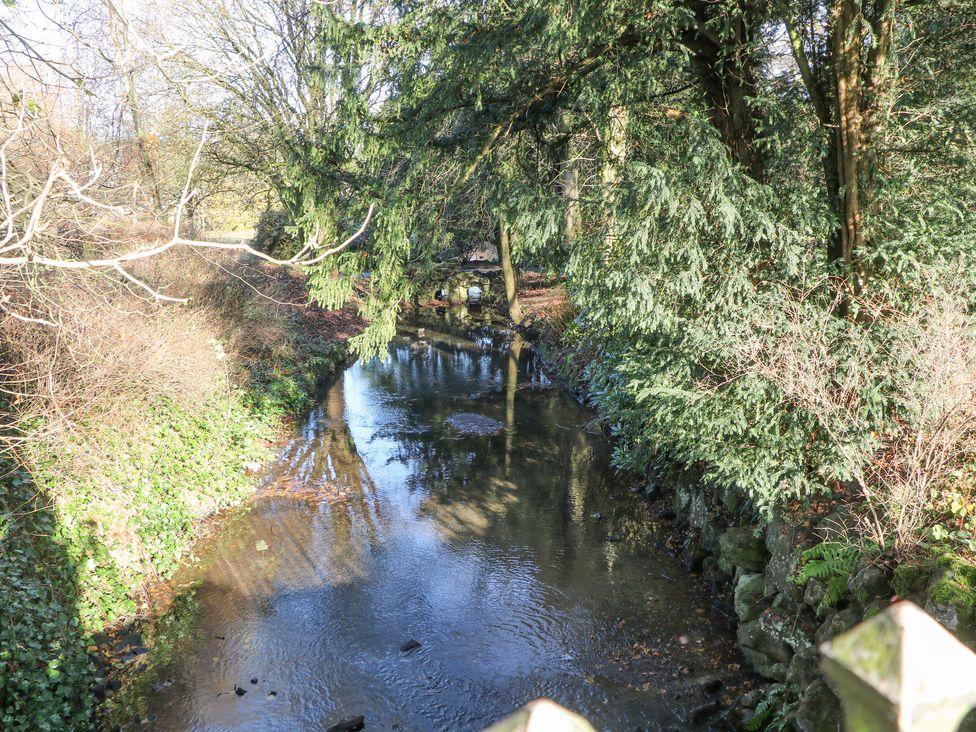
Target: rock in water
[[475, 424], [410, 645], [705, 710], [350, 724], [709, 684]]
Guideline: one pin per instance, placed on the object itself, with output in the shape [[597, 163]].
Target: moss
[[911, 580], [946, 579], [956, 586]]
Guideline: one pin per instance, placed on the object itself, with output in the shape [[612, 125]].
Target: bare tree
[[56, 213]]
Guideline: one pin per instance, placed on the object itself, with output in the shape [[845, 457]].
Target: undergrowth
[[94, 505]]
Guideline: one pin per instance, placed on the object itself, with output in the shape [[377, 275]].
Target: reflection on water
[[383, 524]]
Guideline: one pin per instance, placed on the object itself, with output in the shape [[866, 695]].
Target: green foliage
[[66, 570], [45, 671], [775, 712], [271, 234], [831, 562]]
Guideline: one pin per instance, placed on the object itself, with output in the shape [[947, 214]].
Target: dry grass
[[113, 350]]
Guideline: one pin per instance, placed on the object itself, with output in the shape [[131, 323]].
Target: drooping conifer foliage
[[762, 208]]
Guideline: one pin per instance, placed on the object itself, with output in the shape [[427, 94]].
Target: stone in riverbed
[[785, 545], [820, 709], [836, 624], [868, 584], [748, 596], [768, 645], [410, 645], [814, 593], [475, 424], [350, 724]]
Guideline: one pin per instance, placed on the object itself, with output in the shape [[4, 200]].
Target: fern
[[831, 562], [775, 712]]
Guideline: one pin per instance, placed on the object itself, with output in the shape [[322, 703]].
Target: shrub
[[892, 395]]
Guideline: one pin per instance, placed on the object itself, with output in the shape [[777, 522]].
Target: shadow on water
[[382, 523]]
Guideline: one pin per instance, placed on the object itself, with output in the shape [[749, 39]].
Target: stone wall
[[754, 566]]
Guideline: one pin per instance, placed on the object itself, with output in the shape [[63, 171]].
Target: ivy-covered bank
[[79, 539]]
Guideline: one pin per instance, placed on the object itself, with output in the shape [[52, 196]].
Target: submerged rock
[[709, 684], [350, 724], [410, 645], [475, 424], [703, 711]]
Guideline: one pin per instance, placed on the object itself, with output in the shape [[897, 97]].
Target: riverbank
[[171, 413], [791, 577]]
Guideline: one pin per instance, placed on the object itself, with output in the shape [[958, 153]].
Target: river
[[517, 559]]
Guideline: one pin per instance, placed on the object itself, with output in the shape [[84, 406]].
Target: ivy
[[62, 577]]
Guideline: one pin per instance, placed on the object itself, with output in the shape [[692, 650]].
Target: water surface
[[518, 560]]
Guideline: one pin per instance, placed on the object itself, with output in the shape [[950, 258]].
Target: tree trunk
[[616, 144], [848, 83], [848, 146], [508, 271], [727, 70], [145, 154], [568, 182]]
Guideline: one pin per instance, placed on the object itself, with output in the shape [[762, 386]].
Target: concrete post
[[542, 715], [901, 671]]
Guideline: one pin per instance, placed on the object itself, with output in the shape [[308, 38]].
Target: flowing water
[[502, 543]]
